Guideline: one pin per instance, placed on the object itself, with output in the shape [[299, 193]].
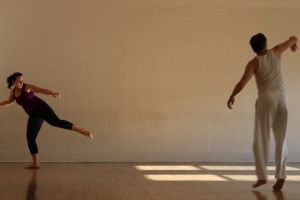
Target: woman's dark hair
[[12, 78], [258, 42]]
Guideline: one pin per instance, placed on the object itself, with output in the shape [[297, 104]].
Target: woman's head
[[258, 42], [15, 78]]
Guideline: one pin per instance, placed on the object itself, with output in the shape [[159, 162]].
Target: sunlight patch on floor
[[166, 167], [187, 177], [244, 177], [225, 168], [210, 173], [293, 177], [254, 178], [242, 168], [211, 177]]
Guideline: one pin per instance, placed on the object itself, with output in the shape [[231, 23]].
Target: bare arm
[[36, 89], [248, 73], [8, 102], [290, 43]]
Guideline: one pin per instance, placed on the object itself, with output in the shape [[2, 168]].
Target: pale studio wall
[[149, 78]]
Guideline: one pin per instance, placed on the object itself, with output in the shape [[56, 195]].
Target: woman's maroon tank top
[[28, 100]]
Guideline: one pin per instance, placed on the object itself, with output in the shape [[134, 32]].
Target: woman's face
[[19, 82]]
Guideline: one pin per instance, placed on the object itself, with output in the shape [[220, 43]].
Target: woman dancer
[[37, 110]]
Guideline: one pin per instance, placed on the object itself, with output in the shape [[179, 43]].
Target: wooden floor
[[142, 181]]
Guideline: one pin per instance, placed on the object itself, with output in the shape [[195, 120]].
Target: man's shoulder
[[254, 61]]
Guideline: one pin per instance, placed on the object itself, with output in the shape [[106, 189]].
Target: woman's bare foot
[[259, 183], [87, 133], [83, 131], [279, 184], [33, 166]]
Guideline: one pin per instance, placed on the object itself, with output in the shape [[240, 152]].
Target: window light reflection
[[188, 177], [254, 178], [244, 177], [242, 168], [166, 167], [207, 173]]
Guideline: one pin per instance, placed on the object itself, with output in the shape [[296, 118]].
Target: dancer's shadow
[[32, 186], [278, 194], [259, 196]]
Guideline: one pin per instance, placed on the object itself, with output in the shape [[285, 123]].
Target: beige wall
[[149, 78]]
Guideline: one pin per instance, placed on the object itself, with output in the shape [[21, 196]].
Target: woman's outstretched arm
[[35, 89], [9, 101]]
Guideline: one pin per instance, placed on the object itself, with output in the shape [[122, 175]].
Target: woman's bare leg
[[82, 131]]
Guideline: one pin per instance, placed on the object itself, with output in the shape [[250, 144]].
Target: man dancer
[[271, 105]]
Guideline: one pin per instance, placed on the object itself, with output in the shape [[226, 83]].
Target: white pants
[[270, 113]]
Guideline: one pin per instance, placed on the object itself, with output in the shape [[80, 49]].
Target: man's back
[[268, 75]]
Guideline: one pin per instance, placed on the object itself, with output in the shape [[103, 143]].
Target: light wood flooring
[[142, 181]]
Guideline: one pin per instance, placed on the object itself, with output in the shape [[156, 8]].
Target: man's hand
[[230, 102], [294, 47]]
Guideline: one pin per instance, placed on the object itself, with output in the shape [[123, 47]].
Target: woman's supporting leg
[[35, 162], [33, 127]]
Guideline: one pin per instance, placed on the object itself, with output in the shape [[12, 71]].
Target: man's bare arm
[[248, 73], [290, 43]]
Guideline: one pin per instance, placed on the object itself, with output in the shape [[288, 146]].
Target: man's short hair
[[258, 42]]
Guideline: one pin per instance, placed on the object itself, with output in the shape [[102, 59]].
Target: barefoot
[[259, 183], [33, 166], [87, 133], [83, 131], [279, 184]]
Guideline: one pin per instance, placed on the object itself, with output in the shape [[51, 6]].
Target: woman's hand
[[56, 95]]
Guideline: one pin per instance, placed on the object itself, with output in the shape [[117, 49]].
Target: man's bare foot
[[259, 183], [279, 184], [33, 166]]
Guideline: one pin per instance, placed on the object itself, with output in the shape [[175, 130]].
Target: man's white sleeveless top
[[268, 75]]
